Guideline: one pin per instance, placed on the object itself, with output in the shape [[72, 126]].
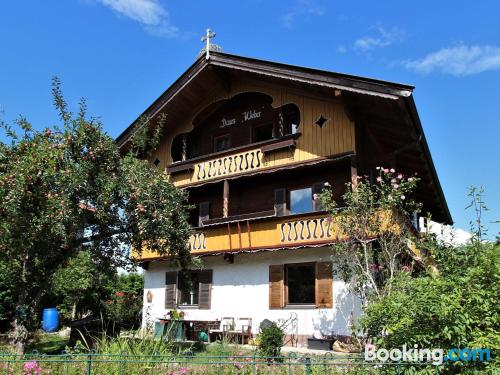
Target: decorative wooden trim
[[238, 218], [234, 150], [290, 246], [180, 167], [288, 143], [298, 164]]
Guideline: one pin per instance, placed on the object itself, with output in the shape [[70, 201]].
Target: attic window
[[321, 121]]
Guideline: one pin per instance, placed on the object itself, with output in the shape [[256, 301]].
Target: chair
[[225, 325], [246, 329], [242, 328]]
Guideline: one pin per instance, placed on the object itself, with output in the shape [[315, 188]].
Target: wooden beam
[[225, 200]]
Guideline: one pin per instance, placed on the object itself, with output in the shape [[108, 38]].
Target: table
[[189, 328]]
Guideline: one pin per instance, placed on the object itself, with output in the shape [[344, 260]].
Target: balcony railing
[[264, 233], [245, 159]]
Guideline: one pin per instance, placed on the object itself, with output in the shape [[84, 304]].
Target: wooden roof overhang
[[383, 111]]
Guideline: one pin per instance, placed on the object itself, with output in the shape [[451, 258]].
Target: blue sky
[[121, 54]]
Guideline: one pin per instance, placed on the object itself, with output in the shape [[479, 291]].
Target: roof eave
[[360, 85], [412, 109]]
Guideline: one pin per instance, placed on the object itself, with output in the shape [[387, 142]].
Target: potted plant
[[175, 328]]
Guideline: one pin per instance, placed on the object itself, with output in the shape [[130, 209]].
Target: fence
[[131, 364]]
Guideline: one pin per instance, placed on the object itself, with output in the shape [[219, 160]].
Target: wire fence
[[125, 364]]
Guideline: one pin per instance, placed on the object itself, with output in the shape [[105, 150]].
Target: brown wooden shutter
[[276, 286], [280, 202], [204, 212], [170, 289], [205, 296], [317, 188], [324, 284]]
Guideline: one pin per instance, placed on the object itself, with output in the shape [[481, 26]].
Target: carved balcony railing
[[229, 165], [264, 233], [241, 160]]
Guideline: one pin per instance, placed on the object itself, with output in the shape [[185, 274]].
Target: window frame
[[220, 136], [287, 302], [261, 125], [180, 292]]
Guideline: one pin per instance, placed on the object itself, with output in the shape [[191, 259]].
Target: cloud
[[301, 8], [461, 60], [341, 49], [149, 13], [383, 38]]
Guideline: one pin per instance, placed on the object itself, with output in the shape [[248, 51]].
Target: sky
[[122, 54]]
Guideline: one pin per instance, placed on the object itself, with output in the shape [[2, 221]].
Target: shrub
[[271, 341], [456, 308]]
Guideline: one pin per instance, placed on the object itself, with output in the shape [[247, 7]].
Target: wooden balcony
[[314, 229], [272, 233], [233, 162]]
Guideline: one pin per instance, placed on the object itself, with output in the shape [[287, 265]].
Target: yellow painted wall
[[335, 137]]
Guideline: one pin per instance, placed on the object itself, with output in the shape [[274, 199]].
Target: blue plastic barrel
[[50, 319]]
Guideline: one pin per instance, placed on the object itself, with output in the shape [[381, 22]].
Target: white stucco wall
[[241, 289]]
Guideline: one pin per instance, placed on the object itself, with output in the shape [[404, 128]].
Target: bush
[[456, 308], [125, 305], [271, 341]]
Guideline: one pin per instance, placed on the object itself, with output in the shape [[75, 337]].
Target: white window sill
[[306, 306]]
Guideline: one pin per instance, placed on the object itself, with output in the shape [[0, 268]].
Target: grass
[[48, 344]]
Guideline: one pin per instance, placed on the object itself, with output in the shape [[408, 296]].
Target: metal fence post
[[89, 365], [308, 365]]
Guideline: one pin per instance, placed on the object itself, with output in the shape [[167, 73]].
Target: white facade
[[445, 233], [241, 290]]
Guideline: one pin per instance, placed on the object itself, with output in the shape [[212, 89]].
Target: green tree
[[8, 277], [124, 307], [81, 286], [453, 307], [68, 189]]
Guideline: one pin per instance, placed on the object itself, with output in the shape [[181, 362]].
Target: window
[[189, 288], [300, 281], [222, 142], [301, 201], [301, 284], [263, 132]]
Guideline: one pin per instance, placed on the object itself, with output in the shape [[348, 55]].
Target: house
[[253, 142]]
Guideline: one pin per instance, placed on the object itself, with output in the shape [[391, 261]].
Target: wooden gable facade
[[247, 137]]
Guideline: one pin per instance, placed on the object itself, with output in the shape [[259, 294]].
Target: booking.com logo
[[434, 356]]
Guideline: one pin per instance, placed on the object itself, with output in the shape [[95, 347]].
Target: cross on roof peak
[[209, 46]]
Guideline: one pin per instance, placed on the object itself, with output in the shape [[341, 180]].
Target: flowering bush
[[124, 309], [32, 367], [377, 248]]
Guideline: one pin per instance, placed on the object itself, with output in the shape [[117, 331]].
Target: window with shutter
[[276, 286], [170, 289], [317, 188], [205, 289], [280, 202], [204, 213], [324, 284]]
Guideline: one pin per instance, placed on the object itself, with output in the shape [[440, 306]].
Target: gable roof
[[395, 103]]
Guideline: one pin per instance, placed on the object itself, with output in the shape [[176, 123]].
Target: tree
[[68, 189], [81, 287], [125, 305], [375, 221], [455, 308]]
